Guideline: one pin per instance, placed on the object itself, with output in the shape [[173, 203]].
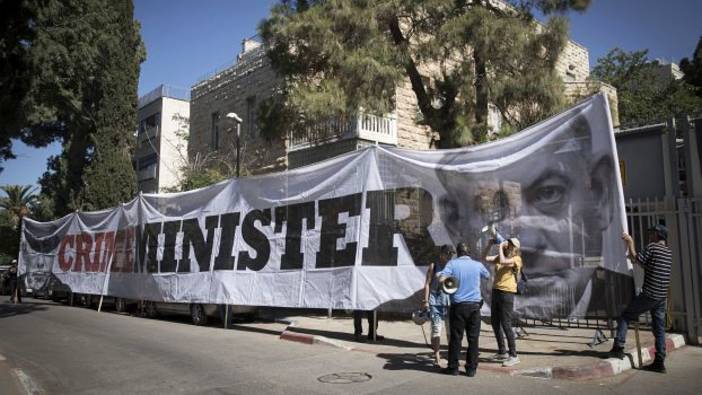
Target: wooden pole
[[638, 342]]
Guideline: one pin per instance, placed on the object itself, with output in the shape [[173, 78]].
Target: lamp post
[[233, 117]]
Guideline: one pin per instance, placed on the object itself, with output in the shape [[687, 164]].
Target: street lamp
[[233, 117]]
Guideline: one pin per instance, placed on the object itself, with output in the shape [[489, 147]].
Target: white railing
[[363, 126]]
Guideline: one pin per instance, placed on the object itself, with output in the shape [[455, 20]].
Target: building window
[[251, 116], [149, 123], [148, 161], [214, 143]]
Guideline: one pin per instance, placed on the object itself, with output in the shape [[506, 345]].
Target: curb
[[312, 339], [607, 368]]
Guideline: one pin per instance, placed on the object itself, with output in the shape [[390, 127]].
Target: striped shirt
[[656, 259]]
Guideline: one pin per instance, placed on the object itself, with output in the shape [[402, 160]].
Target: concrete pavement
[[545, 352], [79, 351]]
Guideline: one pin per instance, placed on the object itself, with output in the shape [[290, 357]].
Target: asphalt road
[[74, 350]]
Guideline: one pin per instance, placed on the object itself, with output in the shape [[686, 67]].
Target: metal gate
[[683, 218]]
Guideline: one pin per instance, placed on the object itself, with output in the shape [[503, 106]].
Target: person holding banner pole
[[656, 260], [435, 301], [508, 265]]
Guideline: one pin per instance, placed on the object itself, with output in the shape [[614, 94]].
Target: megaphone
[[492, 231], [449, 286]]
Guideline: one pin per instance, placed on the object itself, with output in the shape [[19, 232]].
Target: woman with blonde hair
[[508, 266]]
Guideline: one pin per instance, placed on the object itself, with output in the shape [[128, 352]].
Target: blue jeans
[[640, 304]]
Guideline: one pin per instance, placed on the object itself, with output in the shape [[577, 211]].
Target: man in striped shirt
[[656, 260]]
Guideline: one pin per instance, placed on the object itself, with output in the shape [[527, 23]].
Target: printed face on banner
[[558, 200]]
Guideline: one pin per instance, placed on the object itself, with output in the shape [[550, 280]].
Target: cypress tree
[[109, 178]]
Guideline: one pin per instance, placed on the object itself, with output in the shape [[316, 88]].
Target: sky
[[186, 40]]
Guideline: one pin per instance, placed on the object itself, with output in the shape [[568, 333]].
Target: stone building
[[250, 80]]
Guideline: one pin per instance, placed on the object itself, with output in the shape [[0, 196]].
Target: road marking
[[30, 386]]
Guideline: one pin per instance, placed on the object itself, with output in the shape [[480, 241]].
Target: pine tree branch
[[423, 100]]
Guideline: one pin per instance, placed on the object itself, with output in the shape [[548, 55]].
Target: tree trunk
[[481, 98]]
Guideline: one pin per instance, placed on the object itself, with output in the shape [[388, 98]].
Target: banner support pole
[[638, 342], [375, 324], [226, 316]]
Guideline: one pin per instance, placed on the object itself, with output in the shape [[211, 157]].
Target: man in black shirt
[[656, 260]]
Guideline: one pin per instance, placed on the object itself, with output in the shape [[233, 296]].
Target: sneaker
[[657, 366], [616, 352], [500, 356], [470, 372], [511, 361]]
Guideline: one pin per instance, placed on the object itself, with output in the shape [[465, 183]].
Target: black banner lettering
[[332, 230], [256, 239], [228, 224], [192, 235], [293, 215]]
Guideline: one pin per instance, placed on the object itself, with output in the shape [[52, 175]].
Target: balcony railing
[[363, 126]]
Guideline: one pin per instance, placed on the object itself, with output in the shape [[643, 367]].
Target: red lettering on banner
[[84, 243], [64, 261], [95, 263], [108, 251]]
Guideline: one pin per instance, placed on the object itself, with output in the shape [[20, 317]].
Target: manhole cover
[[345, 378]]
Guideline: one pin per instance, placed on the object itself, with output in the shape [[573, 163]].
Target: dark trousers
[[501, 319], [464, 317], [358, 323], [640, 304], [15, 292]]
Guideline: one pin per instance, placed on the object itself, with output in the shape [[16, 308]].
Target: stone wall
[[239, 89], [579, 90], [574, 63]]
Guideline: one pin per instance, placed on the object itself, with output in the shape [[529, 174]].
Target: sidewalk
[[546, 352]]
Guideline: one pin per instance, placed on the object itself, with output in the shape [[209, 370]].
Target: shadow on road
[[347, 336], [10, 310], [423, 362]]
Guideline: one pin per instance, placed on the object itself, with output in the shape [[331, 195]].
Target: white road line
[[30, 386]]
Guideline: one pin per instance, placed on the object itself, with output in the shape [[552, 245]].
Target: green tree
[[83, 59], [14, 70], [15, 205], [645, 94], [109, 178], [693, 68], [17, 201], [460, 56]]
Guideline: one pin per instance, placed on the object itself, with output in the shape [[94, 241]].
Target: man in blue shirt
[[464, 314]]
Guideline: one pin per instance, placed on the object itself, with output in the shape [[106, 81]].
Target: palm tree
[[18, 200]]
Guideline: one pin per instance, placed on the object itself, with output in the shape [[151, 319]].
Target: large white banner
[[357, 231]]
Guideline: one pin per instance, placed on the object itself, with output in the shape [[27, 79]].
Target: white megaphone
[[449, 286], [492, 231]]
